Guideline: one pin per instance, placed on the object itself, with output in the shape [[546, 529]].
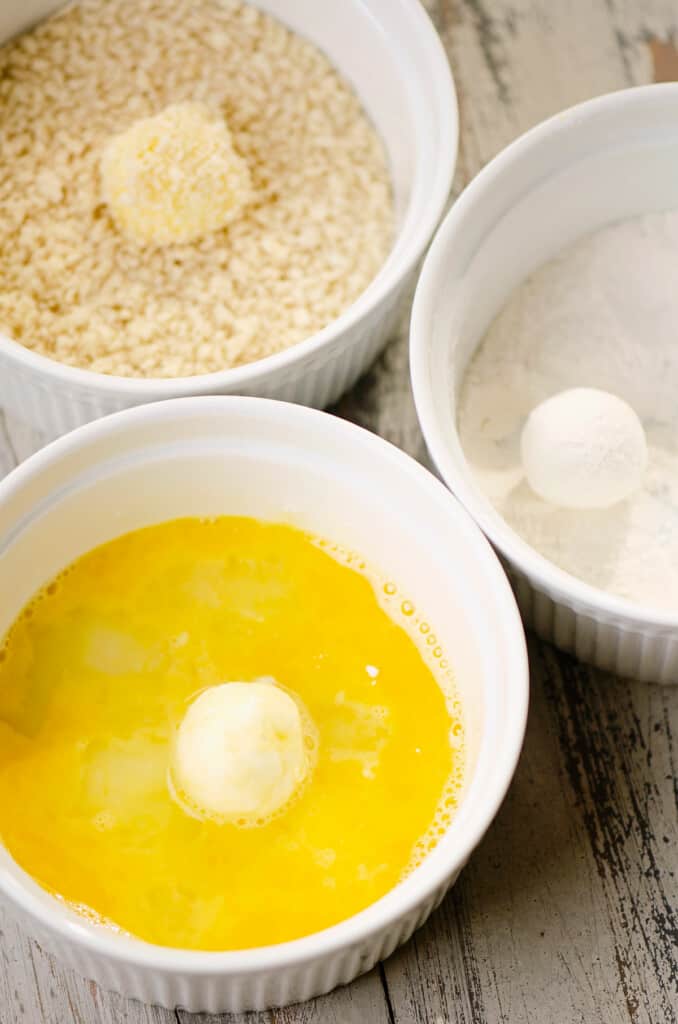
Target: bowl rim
[[382, 285], [452, 466], [426, 880]]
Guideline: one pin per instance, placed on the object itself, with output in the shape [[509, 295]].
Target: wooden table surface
[[568, 912]]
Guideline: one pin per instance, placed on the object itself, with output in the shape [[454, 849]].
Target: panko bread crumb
[[318, 228]]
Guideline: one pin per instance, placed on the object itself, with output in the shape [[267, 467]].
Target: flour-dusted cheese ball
[[584, 449], [239, 753], [175, 177]]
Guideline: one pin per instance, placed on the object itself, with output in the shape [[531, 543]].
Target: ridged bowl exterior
[[600, 162], [53, 407], [220, 993], [612, 644]]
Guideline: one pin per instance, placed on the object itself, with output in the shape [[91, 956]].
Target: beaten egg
[[107, 678]]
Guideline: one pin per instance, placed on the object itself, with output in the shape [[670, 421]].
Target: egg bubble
[[431, 649]]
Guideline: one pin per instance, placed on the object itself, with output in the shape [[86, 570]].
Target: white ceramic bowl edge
[[601, 161], [392, 55], [274, 460]]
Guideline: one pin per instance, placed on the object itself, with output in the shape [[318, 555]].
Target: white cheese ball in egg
[[239, 753], [584, 449]]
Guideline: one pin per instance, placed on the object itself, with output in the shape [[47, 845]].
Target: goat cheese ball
[[240, 753], [584, 449], [175, 177]]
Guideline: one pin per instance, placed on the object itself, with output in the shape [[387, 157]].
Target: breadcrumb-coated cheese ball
[[175, 177]]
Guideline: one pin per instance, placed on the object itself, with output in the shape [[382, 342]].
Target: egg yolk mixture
[[97, 676]]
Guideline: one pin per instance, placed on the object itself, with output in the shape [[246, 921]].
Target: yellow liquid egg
[[96, 677]]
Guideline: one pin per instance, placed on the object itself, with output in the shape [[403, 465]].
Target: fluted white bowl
[[390, 52], [601, 161], [275, 461]]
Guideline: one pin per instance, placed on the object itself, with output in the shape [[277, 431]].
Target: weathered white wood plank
[[382, 401], [567, 912], [646, 36], [21, 439], [35, 989]]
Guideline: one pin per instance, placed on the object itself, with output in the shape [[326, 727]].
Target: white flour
[[603, 314]]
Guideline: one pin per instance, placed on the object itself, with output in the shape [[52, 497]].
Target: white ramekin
[[273, 460], [391, 53], [601, 161]]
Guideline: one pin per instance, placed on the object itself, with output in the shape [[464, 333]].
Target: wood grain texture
[[567, 912], [35, 989]]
